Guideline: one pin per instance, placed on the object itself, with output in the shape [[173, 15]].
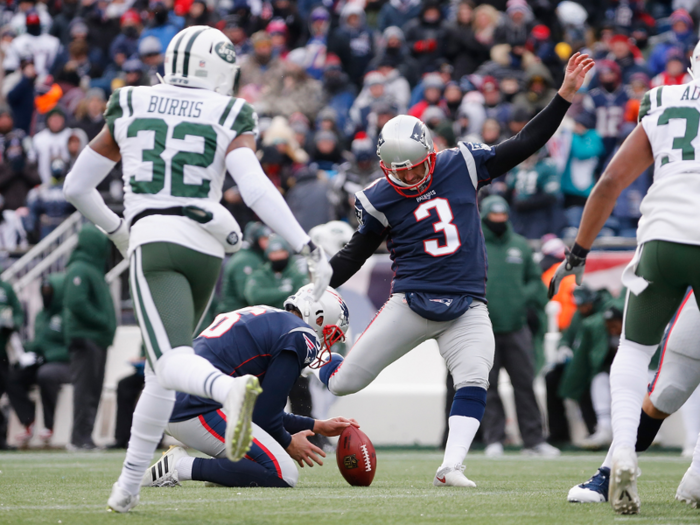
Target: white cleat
[[623, 494], [120, 500], [542, 450], [689, 489], [239, 416], [494, 450], [163, 472], [452, 477]]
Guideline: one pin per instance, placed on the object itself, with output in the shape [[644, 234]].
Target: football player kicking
[[676, 379], [176, 140], [426, 209], [667, 260], [275, 346]]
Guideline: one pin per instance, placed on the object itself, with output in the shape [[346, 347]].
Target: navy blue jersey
[[434, 239], [249, 341]]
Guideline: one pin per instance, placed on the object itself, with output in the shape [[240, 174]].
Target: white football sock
[[695, 465], [607, 462], [462, 432], [600, 396], [182, 370], [691, 418], [628, 384], [184, 468], [150, 418]]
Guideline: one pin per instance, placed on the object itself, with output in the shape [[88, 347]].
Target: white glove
[[574, 264], [120, 238], [27, 359], [320, 268], [564, 353]]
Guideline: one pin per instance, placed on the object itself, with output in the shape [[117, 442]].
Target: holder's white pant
[[466, 343]]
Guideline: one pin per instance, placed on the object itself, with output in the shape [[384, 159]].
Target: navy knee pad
[[469, 401]]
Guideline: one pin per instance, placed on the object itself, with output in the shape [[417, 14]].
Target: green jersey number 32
[[181, 131]]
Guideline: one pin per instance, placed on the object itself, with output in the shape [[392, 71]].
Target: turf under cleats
[[163, 472], [120, 500], [239, 416], [595, 490], [689, 489], [622, 493], [452, 477]]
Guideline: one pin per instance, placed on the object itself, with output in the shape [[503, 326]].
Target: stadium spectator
[[327, 153], [538, 89], [465, 51], [47, 205], [675, 71], [352, 42], [163, 24], [126, 43], [426, 35], [486, 18], [21, 96], [17, 174], [317, 44], [199, 14], [278, 31], [309, 197], [277, 278], [242, 264], [534, 187], [151, 55], [89, 326], [233, 29], [514, 282], [41, 47], [393, 51], [553, 253], [627, 56], [577, 180], [395, 85], [89, 115], [680, 35], [51, 143], [45, 363], [397, 13], [11, 320], [433, 86], [514, 28], [259, 66], [493, 103]]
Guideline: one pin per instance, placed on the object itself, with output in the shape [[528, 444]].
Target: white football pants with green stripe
[[171, 288]]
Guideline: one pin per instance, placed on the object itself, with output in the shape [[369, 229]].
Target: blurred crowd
[[324, 76]]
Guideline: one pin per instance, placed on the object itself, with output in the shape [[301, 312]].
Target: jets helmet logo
[[226, 51]]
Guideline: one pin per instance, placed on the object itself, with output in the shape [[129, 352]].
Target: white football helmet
[[331, 236], [329, 317], [404, 143], [694, 68], [202, 57]]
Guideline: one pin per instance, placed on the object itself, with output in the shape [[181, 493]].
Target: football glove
[[574, 264], [320, 268], [120, 238]]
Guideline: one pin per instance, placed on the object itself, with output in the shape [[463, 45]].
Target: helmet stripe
[[177, 45], [186, 65]]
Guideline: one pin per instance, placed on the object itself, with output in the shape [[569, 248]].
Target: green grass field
[[65, 488]]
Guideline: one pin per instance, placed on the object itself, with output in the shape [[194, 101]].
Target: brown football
[[357, 460]]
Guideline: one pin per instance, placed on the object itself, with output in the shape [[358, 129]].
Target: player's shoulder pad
[[661, 97], [374, 197], [308, 345]]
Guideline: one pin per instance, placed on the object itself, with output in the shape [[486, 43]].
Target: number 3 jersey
[[670, 210], [435, 239], [173, 143]]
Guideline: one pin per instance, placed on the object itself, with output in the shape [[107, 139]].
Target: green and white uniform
[[173, 143], [668, 258]]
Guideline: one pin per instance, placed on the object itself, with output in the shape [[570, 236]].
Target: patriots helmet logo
[[418, 134]]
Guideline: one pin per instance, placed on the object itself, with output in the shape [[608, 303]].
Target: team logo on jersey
[[358, 216], [232, 238], [514, 256], [478, 145], [312, 348], [446, 302], [226, 51]]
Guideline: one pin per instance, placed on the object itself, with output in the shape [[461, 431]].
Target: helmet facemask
[[332, 334], [401, 187]]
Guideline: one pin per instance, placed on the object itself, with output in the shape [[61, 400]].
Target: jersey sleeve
[[246, 121], [303, 343], [370, 219], [114, 108], [475, 155]]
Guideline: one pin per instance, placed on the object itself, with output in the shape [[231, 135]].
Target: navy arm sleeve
[[294, 423], [535, 134], [269, 409]]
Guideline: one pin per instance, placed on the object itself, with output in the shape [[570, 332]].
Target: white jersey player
[[176, 141], [676, 379], [667, 260]]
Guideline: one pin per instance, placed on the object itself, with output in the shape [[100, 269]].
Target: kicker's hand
[[334, 426], [302, 451], [574, 264], [576, 70]]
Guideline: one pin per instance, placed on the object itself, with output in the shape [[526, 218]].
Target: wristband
[[579, 251]]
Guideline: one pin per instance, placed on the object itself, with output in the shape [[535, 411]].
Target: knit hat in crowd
[[433, 80], [393, 32], [586, 118], [493, 204]]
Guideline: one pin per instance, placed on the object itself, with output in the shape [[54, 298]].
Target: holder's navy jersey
[[248, 341], [434, 239]]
